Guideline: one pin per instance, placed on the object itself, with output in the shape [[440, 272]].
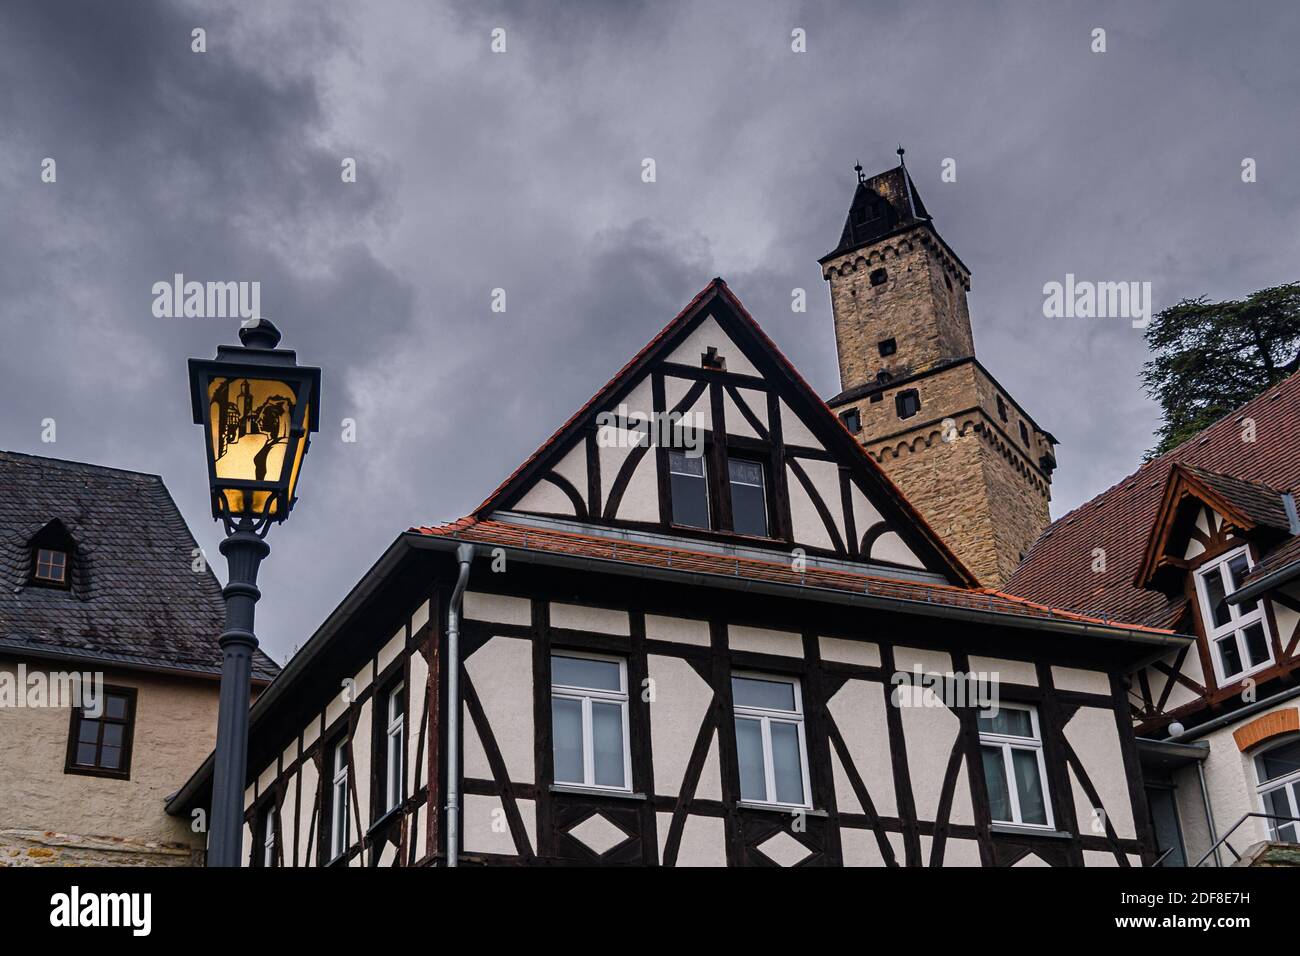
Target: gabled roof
[[1242, 458], [134, 599], [1246, 505], [718, 300]]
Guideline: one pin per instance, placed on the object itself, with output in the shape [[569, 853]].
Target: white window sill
[[595, 792], [1012, 829], [783, 809]]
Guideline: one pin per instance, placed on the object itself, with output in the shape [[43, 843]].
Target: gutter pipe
[[464, 556]]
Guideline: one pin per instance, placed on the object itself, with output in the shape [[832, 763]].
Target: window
[[1002, 409], [879, 276], [1024, 434], [51, 566], [689, 489], [589, 721], [887, 348], [907, 403], [770, 746], [852, 419], [1012, 748], [99, 744], [339, 801], [266, 836], [1238, 633], [748, 497], [1278, 769], [394, 748]]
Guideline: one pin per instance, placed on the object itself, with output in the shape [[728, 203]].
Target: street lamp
[[257, 407]]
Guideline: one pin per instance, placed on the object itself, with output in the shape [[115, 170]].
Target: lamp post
[[257, 407]]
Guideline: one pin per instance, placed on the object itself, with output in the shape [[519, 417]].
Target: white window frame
[[339, 801], [766, 716], [761, 486], [703, 476], [395, 742], [268, 835], [585, 696], [1290, 783], [1009, 742], [1237, 622]]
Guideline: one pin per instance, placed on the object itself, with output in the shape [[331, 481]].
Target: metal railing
[[1223, 840]]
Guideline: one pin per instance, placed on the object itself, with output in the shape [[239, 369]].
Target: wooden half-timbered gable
[[697, 659]]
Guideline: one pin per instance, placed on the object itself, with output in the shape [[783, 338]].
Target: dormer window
[[51, 566], [1238, 633], [52, 550]]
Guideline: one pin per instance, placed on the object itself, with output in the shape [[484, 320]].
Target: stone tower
[[959, 446]]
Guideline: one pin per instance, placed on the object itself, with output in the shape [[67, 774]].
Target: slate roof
[[134, 600], [1058, 568], [885, 203], [493, 532]]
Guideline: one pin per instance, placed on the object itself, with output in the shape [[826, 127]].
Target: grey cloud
[[521, 171]]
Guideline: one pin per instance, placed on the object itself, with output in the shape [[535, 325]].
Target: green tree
[[1209, 358]]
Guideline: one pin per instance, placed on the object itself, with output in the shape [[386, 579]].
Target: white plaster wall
[[707, 333], [890, 547], [680, 630], [1007, 671], [417, 702], [794, 431], [699, 414], [174, 731], [640, 501], [681, 698], [760, 640], [858, 709], [578, 617], [361, 758], [704, 840], [1083, 681], [862, 847], [805, 522], [497, 608], [737, 423], [844, 651], [1094, 736], [310, 799], [502, 672], [486, 829]]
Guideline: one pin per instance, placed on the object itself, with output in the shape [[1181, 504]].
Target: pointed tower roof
[[883, 204]]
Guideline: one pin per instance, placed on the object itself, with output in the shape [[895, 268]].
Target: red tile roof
[[505, 534], [1058, 569]]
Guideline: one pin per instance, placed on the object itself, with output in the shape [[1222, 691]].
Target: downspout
[[1209, 812], [464, 555]]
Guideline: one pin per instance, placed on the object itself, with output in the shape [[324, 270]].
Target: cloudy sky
[[522, 171]]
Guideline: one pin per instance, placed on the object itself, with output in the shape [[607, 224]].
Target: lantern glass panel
[[250, 423]]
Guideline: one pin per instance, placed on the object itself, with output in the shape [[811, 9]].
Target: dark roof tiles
[[134, 598]]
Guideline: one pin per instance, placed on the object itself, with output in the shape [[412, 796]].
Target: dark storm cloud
[[521, 171]]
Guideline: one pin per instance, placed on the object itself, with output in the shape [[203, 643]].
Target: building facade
[[1205, 540], [108, 666], [699, 626], [965, 453]]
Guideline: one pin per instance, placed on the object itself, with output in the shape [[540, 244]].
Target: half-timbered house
[[1204, 539], [699, 626]]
